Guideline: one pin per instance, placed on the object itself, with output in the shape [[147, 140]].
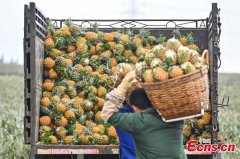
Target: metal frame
[[206, 30]]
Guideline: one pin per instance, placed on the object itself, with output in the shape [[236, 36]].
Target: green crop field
[[12, 112]]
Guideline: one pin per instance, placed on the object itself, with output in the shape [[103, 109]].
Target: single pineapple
[[53, 139], [45, 120], [69, 114], [48, 62], [183, 55], [87, 105], [170, 57], [45, 102], [194, 56], [108, 37], [200, 123], [91, 36], [71, 48], [60, 108], [100, 102], [81, 40], [173, 44], [98, 118], [119, 48], [160, 74], [206, 117], [61, 132], [127, 53], [188, 68], [52, 74], [101, 91], [175, 71], [61, 121], [49, 43], [106, 54], [206, 135], [48, 86], [68, 140], [159, 51], [137, 42], [112, 132], [148, 75], [82, 49], [92, 50], [187, 130]]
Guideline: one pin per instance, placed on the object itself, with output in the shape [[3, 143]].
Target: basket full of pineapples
[[175, 79]]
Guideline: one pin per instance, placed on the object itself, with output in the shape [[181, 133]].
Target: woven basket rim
[[204, 70]]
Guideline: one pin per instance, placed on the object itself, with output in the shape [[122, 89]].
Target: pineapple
[[170, 57], [141, 51], [134, 59], [200, 123], [61, 121], [68, 140], [87, 105], [69, 114], [91, 36], [193, 137], [44, 129], [148, 76], [45, 120], [112, 132], [56, 98], [194, 47], [111, 45], [69, 62], [52, 74], [80, 41], [53, 139], [101, 91], [77, 102], [92, 50], [60, 108], [99, 47], [89, 115], [127, 53], [187, 130], [79, 128], [49, 43], [55, 53], [183, 40], [48, 86], [183, 55], [159, 51], [173, 44], [66, 101], [160, 74], [78, 67], [48, 62], [79, 112], [82, 49], [85, 61], [61, 61], [175, 71], [194, 57], [137, 42], [206, 117], [103, 78], [112, 62], [84, 139], [98, 118], [45, 102], [106, 54], [188, 68], [71, 48], [108, 37], [123, 39], [61, 132], [119, 48], [100, 102]]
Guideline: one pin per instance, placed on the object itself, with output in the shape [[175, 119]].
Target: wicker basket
[[180, 98]]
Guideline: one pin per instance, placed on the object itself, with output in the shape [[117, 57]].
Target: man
[[153, 138]]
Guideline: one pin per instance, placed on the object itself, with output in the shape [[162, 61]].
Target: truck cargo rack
[[206, 31]]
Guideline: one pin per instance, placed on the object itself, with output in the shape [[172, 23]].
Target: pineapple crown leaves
[[50, 27], [176, 33], [105, 47], [162, 40], [45, 111], [190, 38], [95, 27], [60, 42], [144, 33], [125, 31]]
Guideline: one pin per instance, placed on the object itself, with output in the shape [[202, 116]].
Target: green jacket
[[154, 139]]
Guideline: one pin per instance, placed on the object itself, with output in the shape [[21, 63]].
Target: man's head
[[139, 100]]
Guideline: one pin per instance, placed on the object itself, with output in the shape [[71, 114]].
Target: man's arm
[[130, 122]]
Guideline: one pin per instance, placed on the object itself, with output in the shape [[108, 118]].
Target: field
[[12, 112]]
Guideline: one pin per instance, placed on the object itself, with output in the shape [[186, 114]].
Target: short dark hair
[[139, 99]]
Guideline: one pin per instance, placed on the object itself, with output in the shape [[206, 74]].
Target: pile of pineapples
[[80, 67]]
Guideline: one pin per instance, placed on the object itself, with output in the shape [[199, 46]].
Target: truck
[[207, 32]]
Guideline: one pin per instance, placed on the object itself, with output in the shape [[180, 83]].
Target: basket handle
[[205, 55]]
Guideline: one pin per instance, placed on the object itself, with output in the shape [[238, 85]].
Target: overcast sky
[[12, 11]]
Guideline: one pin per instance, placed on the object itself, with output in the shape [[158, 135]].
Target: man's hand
[[127, 82]]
